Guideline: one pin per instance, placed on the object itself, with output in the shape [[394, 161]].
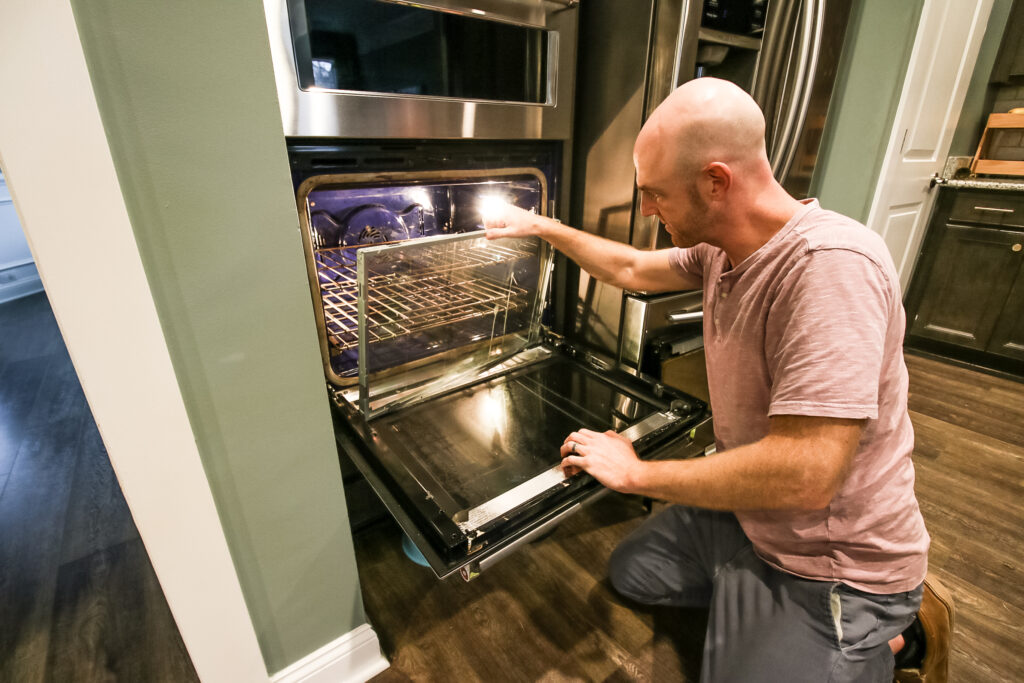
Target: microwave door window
[[381, 47]]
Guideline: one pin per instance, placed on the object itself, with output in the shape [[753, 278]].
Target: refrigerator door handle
[[810, 48], [784, 139]]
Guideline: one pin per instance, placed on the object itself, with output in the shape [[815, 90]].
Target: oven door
[[473, 474], [491, 69]]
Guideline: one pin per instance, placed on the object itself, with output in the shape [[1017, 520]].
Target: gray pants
[[764, 625]]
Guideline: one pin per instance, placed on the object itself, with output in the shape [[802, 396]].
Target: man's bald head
[[702, 121], [701, 168]]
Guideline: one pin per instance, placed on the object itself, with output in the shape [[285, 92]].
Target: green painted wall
[[978, 102], [879, 40], [186, 93]]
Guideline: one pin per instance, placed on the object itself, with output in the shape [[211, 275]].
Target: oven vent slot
[[333, 162]]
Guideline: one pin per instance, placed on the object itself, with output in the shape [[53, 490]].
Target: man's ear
[[719, 176]]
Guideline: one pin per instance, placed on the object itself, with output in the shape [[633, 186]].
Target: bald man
[[802, 534]]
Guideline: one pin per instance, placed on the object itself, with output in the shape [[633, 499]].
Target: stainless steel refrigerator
[[631, 56]]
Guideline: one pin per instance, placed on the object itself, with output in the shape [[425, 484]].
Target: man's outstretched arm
[[617, 264]]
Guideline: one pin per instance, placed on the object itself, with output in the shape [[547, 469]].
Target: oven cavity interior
[[425, 292]]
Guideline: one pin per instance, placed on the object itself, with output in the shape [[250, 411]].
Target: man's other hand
[[608, 457]]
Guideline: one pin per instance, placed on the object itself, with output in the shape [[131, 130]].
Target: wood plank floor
[[79, 601], [78, 597], [547, 614]]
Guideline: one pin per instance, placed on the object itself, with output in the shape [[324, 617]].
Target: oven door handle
[[473, 569], [685, 316]]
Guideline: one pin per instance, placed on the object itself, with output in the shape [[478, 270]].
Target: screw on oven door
[[679, 406]]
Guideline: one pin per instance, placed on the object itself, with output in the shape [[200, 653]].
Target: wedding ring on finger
[[572, 447]]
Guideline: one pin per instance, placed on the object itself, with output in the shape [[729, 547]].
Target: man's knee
[[641, 576], [659, 563], [621, 570]]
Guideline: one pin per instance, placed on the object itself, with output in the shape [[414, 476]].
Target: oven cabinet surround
[[967, 296], [176, 228]]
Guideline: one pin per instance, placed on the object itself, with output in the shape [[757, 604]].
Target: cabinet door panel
[[967, 287], [1008, 337]]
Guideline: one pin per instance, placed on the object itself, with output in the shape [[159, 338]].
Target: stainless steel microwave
[[490, 69]]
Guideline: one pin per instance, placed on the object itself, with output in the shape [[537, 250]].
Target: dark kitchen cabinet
[[966, 299], [968, 285], [1008, 337]]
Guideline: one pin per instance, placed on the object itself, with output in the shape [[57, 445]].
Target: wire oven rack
[[436, 287]]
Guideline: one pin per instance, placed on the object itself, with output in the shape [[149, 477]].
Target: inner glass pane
[[372, 46], [344, 219], [456, 303], [470, 447]]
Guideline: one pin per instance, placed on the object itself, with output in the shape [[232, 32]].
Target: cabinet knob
[[1016, 247]]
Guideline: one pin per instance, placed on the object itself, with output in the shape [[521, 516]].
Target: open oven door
[[450, 395]]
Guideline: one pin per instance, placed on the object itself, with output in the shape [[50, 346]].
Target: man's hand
[[608, 457], [501, 219], [607, 260]]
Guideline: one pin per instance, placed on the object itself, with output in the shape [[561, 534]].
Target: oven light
[[419, 195], [492, 205]]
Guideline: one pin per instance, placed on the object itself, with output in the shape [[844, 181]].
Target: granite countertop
[[977, 183], [956, 175]]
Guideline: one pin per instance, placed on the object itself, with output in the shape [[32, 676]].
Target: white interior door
[[945, 50]]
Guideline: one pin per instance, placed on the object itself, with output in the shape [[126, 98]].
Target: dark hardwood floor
[[79, 600], [969, 455], [548, 614], [78, 597]]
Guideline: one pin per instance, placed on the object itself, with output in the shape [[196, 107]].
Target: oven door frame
[[530, 510], [352, 114]]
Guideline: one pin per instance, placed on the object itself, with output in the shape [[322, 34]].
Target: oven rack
[[435, 287]]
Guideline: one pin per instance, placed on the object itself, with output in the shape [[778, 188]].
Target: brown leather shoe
[[936, 617]]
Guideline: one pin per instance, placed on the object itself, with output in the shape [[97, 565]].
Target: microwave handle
[[684, 316]]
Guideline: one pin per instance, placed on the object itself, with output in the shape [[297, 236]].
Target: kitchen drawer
[[1003, 209]]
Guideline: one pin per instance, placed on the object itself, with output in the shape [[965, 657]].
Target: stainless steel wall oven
[[451, 375]]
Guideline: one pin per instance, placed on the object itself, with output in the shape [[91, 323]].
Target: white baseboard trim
[[355, 656], [9, 291]]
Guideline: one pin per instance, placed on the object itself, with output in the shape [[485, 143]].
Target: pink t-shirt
[[812, 324]]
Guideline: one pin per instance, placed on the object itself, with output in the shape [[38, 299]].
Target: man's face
[[667, 193]]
